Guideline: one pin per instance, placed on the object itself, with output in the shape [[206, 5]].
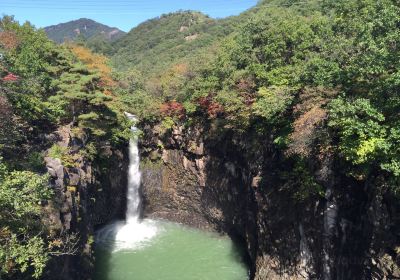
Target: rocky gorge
[[277, 127], [228, 185], [348, 231]]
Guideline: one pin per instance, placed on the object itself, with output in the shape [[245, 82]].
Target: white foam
[[134, 235]]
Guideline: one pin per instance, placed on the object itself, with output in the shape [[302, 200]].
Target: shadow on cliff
[[262, 220], [227, 202]]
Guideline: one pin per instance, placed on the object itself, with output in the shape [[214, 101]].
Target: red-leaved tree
[[173, 109], [10, 77], [213, 108]]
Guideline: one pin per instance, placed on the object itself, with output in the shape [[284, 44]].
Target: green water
[[174, 253]]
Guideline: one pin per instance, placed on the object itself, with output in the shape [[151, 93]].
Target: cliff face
[[347, 231], [88, 193]]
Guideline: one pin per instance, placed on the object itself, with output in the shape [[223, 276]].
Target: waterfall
[[329, 233], [133, 232], [133, 199]]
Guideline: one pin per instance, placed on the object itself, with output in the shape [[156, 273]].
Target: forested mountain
[[157, 43], [295, 103], [153, 45], [82, 29]]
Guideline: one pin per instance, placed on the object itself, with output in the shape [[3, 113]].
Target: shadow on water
[[103, 264], [240, 253], [104, 247]]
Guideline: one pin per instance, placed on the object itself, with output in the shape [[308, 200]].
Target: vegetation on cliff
[[44, 86], [23, 247]]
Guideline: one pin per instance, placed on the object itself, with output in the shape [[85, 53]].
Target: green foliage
[[391, 161], [22, 257], [359, 125], [301, 182], [89, 152], [57, 151], [272, 102], [141, 104], [365, 119], [167, 123], [63, 153], [59, 84], [30, 60], [31, 189], [22, 246], [36, 161], [154, 163], [365, 138]]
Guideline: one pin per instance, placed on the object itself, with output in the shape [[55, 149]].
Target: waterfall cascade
[[133, 232], [133, 199]]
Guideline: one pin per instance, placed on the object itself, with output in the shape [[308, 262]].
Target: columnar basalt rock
[[86, 196], [229, 185]]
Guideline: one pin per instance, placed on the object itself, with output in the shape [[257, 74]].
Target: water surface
[[171, 252]]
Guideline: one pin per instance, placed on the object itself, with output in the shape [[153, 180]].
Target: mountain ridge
[[83, 28]]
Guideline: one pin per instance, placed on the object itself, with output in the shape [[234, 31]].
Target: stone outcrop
[[88, 193], [229, 185]]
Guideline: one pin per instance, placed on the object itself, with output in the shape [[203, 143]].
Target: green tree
[[23, 249]]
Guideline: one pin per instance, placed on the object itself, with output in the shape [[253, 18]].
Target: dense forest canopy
[[316, 77]]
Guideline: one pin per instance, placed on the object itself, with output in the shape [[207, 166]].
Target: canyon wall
[[347, 230], [88, 194]]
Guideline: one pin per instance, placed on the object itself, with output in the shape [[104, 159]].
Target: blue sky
[[123, 14]]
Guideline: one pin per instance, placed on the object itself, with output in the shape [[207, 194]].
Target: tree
[[23, 247]]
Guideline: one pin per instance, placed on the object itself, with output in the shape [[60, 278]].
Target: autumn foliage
[[10, 78], [8, 40], [180, 69], [172, 109], [96, 62], [305, 128], [246, 88], [311, 114], [213, 108]]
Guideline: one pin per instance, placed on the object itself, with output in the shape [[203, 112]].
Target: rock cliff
[[348, 230], [88, 193]]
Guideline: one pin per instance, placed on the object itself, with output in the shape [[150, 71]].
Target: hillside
[[157, 43], [83, 28]]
